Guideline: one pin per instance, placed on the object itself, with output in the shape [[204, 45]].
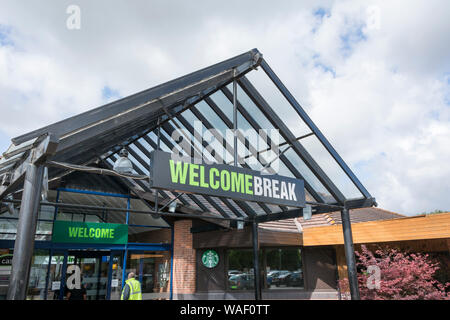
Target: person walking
[[131, 289]]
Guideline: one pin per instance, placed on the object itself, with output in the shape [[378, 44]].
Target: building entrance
[[97, 273], [87, 271], [54, 273]]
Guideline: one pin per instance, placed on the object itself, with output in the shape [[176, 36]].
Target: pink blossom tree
[[398, 276]]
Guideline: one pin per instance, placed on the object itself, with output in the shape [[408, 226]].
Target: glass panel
[[91, 215], [145, 144], [240, 270], [67, 214], [330, 167], [93, 271], [220, 126], [189, 144], [152, 269], [180, 147], [284, 268], [46, 212], [292, 156], [139, 153], [224, 104], [254, 111], [137, 164], [38, 274], [278, 103], [8, 228], [152, 135], [44, 231], [54, 283]]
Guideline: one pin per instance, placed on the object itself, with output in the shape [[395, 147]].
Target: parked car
[[234, 272], [281, 277], [241, 281], [270, 275], [295, 279]]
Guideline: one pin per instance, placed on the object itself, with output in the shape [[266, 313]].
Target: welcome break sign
[[224, 181]]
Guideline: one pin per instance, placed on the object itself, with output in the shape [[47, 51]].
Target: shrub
[[403, 276]]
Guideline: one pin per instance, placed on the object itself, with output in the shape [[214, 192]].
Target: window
[[284, 268], [240, 270], [281, 268]]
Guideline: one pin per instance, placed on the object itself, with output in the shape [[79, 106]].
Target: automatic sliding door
[[152, 269], [92, 268]]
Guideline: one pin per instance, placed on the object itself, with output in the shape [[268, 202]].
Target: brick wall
[[183, 259]]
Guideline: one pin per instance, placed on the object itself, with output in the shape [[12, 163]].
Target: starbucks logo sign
[[210, 258]]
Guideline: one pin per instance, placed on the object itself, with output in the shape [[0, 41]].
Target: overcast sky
[[374, 76]]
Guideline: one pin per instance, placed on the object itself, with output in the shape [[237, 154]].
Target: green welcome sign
[[210, 258], [224, 181], [89, 232]]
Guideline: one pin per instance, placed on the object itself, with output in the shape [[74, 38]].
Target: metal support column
[[26, 229], [350, 254], [158, 143], [172, 235], [256, 270], [125, 252], [235, 118]]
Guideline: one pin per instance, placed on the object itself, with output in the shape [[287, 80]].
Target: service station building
[[199, 186]]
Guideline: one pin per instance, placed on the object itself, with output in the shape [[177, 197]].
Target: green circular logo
[[210, 258]]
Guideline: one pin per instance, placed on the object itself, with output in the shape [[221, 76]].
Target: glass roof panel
[[254, 111], [331, 167], [222, 128], [224, 104], [152, 135], [190, 145], [309, 176], [278, 102]]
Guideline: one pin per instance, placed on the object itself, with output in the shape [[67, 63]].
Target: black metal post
[[350, 254], [235, 118], [158, 141], [26, 229], [256, 270]]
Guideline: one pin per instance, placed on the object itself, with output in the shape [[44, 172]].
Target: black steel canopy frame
[[146, 120]]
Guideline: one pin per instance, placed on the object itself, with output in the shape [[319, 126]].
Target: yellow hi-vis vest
[[135, 289]]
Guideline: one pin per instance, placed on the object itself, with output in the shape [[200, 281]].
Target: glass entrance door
[[87, 271], [152, 269]]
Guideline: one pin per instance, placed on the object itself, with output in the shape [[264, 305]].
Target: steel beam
[[26, 229], [256, 268], [39, 154], [350, 254]]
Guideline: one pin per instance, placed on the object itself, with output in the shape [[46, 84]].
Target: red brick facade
[[183, 258]]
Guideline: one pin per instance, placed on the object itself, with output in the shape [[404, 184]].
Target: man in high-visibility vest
[[131, 289]]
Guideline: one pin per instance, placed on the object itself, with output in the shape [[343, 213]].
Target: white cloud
[[380, 93]]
